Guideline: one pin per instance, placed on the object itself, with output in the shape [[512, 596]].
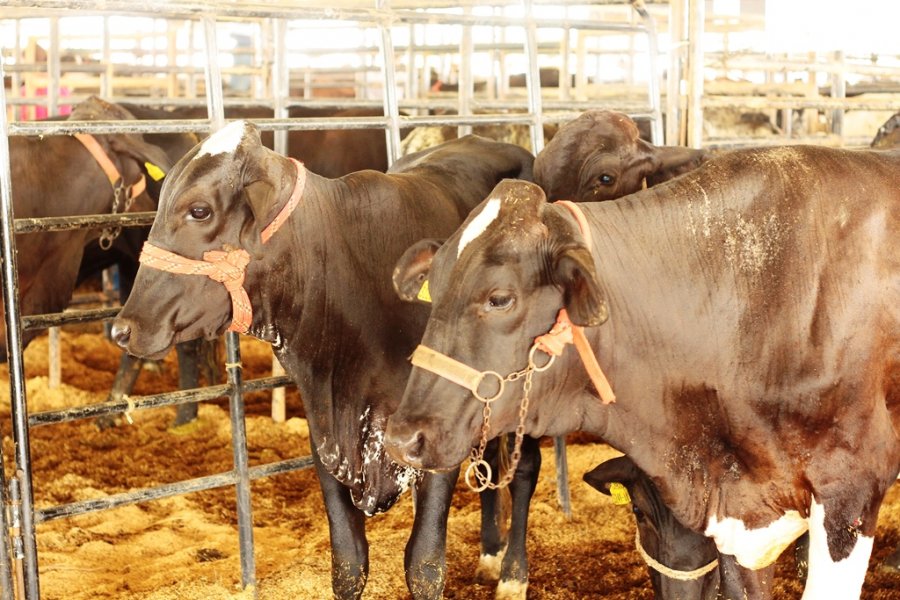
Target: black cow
[[56, 175], [753, 344], [682, 563], [330, 153], [600, 156], [320, 292]]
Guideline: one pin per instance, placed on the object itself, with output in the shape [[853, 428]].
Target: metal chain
[[480, 467], [109, 234]]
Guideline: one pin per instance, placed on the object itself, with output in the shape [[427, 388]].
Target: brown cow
[[753, 344], [601, 156], [55, 175], [320, 292], [888, 135]]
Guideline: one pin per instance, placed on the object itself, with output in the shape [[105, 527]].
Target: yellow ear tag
[[153, 171], [619, 493], [424, 295]]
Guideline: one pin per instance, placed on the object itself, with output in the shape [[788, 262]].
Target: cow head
[[496, 284], [600, 156], [218, 197], [132, 156], [663, 538]]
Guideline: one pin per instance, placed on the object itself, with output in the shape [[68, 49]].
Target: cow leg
[[740, 583], [513, 583], [494, 515], [129, 369], [839, 549], [425, 558], [347, 527]]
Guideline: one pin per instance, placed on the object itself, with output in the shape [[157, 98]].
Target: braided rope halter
[[667, 571], [227, 266], [552, 343]]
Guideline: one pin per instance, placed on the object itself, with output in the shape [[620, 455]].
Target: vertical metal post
[[565, 76], [696, 15], [391, 107], [215, 104], [466, 79], [53, 69], [6, 569], [280, 81], [674, 76], [533, 81], [106, 82], [653, 92], [838, 90], [241, 461], [18, 408], [563, 495]]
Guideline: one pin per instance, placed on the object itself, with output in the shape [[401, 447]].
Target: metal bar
[[675, 73], [197, 484], [6, 565], [281, 87], [18, 408], [466, 78], [696, 12], [391, 109], [241, 460], [563, 494], [53, 68], [214, 106], [136, 219], [69, 317], [653, 91], [175, 398], [533, 82]]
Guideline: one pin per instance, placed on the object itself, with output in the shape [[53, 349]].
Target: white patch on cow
[[224, 140], [756, 548], [829, 579], [478, 224], [511, 590], [489, 566]]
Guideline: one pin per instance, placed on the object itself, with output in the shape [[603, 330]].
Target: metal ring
[[473, 468], [481, 379], [531, 360]]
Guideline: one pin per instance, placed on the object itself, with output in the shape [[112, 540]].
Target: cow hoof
[[511, 590], [488, 570]]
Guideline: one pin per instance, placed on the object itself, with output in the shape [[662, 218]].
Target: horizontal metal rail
[[111, 407], [198, 484], [69, 317], [135, 219]]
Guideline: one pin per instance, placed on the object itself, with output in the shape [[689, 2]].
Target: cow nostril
[[121, 333], [406, 446]]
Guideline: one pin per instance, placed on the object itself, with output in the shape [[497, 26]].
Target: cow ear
[[134, 146], [411, 273], [267, 177], [615, 470], [673, 161], [573, 270]]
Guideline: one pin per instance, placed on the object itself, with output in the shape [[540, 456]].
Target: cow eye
[[607, 179], [200, 213], [638, 513], [500, 301]]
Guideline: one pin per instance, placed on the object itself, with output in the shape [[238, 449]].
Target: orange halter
[[228, 267]]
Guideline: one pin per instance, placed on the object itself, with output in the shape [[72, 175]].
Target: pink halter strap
[[229, 266], [564, 332]]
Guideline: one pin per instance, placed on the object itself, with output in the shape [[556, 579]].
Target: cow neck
[[227, 266], [564, 332], [123, 197]]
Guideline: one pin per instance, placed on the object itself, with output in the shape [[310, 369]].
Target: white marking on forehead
[[477, 225], [756, 548], [829, 579], [224, 140]]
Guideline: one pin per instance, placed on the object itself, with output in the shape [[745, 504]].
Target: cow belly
[[756, 548], [375, 482]]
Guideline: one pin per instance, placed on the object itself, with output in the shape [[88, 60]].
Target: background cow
[[55, 175], [601, 156], [683, 556], [753, 347], [320, 292]]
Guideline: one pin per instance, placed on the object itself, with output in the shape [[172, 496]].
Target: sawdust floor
[[186, 547]]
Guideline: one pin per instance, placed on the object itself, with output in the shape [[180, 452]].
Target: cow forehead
[[489, 213], [226, 140]]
